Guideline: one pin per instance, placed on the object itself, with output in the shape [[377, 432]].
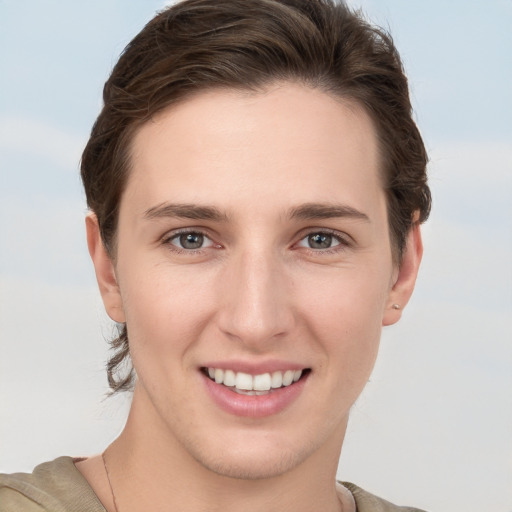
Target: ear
[[105, 271], [403, 286]]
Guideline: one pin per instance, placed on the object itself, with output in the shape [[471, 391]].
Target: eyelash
[[169, 238], [342, 241]]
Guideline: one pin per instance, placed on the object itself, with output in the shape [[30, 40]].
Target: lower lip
[[254, 406]]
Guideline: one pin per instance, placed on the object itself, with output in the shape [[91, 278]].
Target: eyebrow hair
[[307, 211], [185, 211], [312, 211]]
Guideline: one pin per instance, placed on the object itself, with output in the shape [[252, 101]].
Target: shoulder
[[367, 502], [55, 486]]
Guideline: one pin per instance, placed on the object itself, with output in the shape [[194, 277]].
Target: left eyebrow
[[312, 211], [185, 211]]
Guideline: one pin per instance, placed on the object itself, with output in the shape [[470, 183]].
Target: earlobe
[[403, 287], [105, 271]]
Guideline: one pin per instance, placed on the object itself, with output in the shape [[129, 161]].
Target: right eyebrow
[[185, 211]]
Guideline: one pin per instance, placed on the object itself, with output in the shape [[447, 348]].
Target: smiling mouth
[[261, 384]]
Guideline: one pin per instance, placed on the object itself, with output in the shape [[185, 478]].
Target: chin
[[255, 466]]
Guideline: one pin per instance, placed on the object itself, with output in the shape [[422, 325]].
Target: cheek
[[344, 314], [165, 309]]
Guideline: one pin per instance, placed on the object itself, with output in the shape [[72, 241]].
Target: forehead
[[288, 144]]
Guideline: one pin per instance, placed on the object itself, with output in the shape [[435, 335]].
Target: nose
[[255, 300]]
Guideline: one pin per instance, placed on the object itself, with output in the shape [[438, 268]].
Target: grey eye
[[191, 240], [320, 240]]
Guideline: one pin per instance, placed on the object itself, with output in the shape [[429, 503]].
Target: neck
[[150, 467]]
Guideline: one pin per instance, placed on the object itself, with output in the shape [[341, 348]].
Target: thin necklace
[[109, 482], [114, 496]]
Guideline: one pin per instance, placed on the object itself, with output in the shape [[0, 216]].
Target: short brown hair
[[249, 44]]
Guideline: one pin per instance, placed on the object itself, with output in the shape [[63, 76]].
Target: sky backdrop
[[434, 426]]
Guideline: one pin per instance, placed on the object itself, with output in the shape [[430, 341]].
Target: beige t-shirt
[[58, 486]]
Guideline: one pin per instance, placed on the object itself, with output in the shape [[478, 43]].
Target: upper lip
[[255, 368]]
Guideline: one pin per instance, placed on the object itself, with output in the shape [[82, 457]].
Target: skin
[[255, 291]]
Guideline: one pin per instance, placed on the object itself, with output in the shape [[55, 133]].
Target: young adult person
[[256, 184]]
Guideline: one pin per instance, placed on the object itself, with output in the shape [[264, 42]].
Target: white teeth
[[262, 382], [249, 393], [243, 381], [219, 376], [254, 385], [277, 379], [229, 378], [288, 377]]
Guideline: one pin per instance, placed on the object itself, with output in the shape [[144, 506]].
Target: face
[[254, 272]]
